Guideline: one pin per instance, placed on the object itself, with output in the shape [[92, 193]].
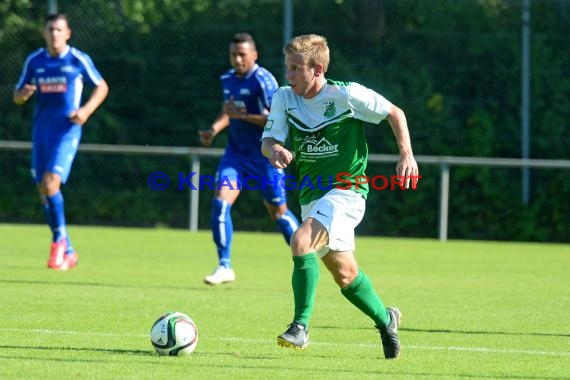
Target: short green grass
[[470, 309]]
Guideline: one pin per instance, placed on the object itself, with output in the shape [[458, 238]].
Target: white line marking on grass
[[62, 332], [364, 345], [434, 348]]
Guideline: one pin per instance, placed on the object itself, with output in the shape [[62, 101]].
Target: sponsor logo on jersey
[[315, 146], [244, 91], [53, 84]]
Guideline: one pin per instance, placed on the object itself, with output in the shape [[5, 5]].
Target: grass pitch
[[470, 309]]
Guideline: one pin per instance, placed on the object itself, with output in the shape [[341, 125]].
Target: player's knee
[[301, 242], [50, 184], [49, 188], [344, 276]]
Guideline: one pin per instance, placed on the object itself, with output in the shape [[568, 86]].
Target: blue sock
[[222, 230], [69, 249], [56, 211], [287, 223], [47, 214]]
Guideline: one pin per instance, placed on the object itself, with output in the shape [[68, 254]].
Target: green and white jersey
[[326, 135]]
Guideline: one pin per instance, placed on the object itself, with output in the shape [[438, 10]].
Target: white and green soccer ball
[[174, 334]]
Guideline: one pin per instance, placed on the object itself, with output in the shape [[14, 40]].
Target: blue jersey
[[254, 91], [59, 84]]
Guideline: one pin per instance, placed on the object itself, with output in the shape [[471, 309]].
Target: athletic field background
[[475, 310]]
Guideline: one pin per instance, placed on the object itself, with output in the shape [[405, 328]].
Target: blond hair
[[313, 47]]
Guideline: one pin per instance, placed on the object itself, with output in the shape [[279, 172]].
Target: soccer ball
[[174, 334]]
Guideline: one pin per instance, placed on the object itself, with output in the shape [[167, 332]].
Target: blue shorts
[[54, 157], [252, 175]]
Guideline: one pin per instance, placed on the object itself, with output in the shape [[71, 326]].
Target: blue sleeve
[[268, 85], [27, 72], [88, 69], [225, 92]]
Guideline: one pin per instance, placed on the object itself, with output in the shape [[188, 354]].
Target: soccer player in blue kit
[[56, 75], [247, 92]]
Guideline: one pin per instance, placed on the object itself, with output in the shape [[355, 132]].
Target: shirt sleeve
[[25, 76], [90, 73], [367, 104], [277, 127], [268, 85]]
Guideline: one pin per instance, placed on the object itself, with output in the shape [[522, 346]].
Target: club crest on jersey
[[329, 109]]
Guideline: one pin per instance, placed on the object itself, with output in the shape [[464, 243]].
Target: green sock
[[304, 281], [362, 295]]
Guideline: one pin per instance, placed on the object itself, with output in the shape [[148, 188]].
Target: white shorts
[[339, 211]]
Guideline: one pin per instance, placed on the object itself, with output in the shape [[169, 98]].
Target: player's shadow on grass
[[450, 331], [334, 371], [302, 370]]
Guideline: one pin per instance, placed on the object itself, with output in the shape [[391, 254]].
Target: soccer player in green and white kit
[[324, 120]]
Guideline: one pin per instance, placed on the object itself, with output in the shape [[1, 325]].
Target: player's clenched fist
[[280, 158], [276, 153], [206, 137]]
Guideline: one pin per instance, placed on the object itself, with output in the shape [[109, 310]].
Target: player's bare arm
[[207, 137], [22, 95], [407, 166], [276, 153], [80, 115]]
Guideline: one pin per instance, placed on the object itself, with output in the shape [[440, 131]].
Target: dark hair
[[57, 16], [240, 38]]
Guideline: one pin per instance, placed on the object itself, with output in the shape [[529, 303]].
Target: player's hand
[[28, 90], [206, 137], [280, 157], [233, 109], [79, 116], [23, 94], [407, 168]]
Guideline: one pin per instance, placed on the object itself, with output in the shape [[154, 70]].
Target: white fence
[[195, 153]]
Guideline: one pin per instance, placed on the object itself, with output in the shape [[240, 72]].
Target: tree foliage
[[453, 66]]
